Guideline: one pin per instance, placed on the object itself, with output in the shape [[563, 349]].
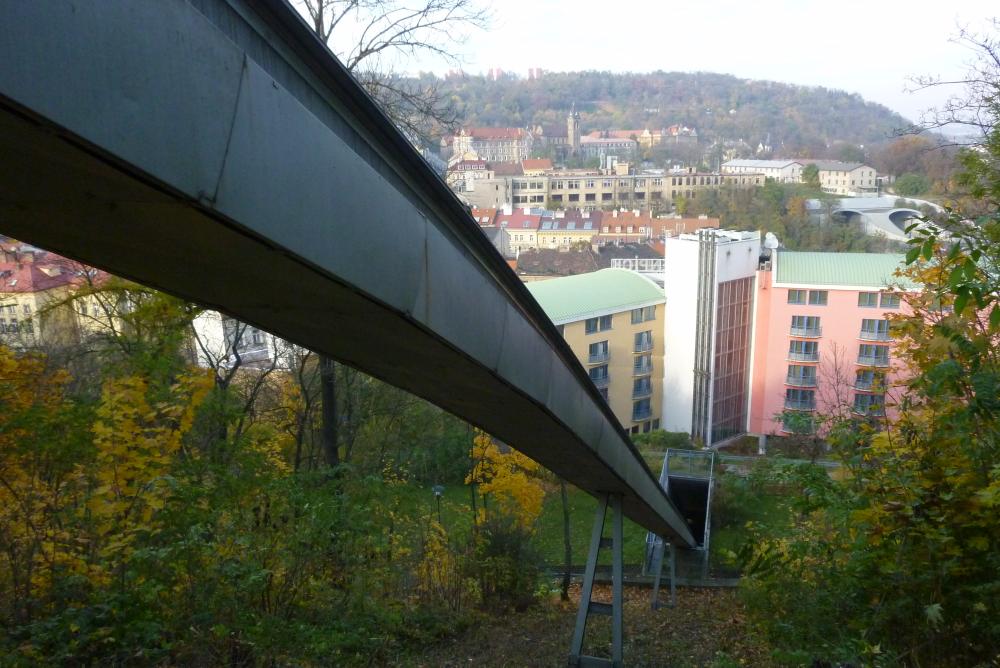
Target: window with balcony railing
[[869, 404], [873, 355], [868, 380], [643, 364], [641, 410], [800, 400], [803, 351], [806, 325], [874, 330], [643, 341], [802, 376], [598, 352], [599, 374], [642, 387]]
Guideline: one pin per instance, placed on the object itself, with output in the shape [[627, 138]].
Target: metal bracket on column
[[590, 607], [658, 548]]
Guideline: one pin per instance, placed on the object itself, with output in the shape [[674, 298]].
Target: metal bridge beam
[[216, 150]]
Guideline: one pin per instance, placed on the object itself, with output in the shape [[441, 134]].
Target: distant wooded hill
[[800, 120]]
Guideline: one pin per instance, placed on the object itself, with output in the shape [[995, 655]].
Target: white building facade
[[708, 332]]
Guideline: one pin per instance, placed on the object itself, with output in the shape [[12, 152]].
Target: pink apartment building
[[821, 337]]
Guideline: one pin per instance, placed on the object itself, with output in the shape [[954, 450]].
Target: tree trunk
[[328, 410], [567, 547]]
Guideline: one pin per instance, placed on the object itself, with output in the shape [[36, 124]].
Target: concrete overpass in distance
[[215, 149]]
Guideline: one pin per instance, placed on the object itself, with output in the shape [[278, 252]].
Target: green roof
[[573, 298], [861, 270]]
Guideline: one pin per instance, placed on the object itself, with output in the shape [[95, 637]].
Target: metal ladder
[[588, 606]]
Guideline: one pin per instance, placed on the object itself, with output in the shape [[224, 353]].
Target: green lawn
[[456, 515]]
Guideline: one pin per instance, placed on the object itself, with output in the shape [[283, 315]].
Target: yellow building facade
[[613, 321]]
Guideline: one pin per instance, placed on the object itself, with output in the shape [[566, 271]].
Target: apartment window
[[623, 183], [599, 374], [574, 197], [805, 325], [869, 404], [590, 184], [643, 341], [869, 380], [800, 400], [643, 364], [796, 296], [601, 324], [867, 299], [642, 387], [607, 197], [590, 197], [803, 351], [641, 410], [11, 307], [875, 330], [636, 316], [870, 354], [557, 198], [803, 376], [573, 185], [649, 313], [598, 352], [890, 300], [817, 297], [26, 309], [607, 184], [557, 185]]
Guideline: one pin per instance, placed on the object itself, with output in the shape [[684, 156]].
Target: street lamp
[[438, 493]]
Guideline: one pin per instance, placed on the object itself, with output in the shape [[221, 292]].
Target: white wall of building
[[737, 256], [681, 291]]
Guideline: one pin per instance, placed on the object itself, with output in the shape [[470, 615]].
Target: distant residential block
[[822, 343]]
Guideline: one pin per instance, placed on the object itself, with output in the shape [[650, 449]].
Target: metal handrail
[[599, 357], [794, 405], [807, 332], [872, 360], [642, 392], [803, 357], [801, 381]]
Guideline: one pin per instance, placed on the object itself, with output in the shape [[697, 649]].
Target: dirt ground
[[707, 628]]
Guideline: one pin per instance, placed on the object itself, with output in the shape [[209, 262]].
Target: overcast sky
[[864, 46]]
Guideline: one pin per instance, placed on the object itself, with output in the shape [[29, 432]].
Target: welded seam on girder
[[244, 71]]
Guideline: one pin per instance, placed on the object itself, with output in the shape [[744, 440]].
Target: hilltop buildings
[[840, 178]]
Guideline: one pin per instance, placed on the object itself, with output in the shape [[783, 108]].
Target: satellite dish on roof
[[771, 241]]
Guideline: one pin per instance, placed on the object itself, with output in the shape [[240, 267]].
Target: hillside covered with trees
[[800, 120]]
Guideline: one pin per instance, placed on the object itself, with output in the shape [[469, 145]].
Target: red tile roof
[[536, 163], [506, 169], [484, 216], [25, 269], [518, 220]]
